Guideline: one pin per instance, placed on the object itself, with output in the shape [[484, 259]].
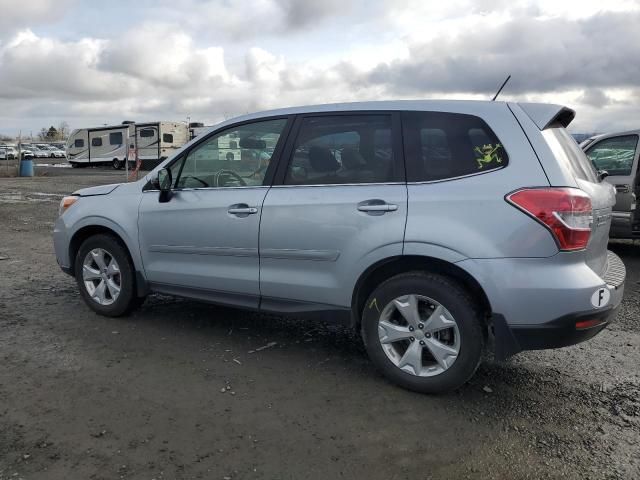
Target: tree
[[63, 130], [43, 134], [52, 134]]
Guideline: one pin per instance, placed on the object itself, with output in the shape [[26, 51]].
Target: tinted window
[[236, 157], [96, 142], [568, 153], [615, 155], [115, 138], [167, 138], [447, 145], [342, 149], [147, 132], [79, 143]]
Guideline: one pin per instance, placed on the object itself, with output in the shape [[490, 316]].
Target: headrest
[[351, 158], [322, 160]]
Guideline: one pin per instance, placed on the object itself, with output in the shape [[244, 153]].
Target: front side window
[[442, 145], [615, 155], [236, 157], [78, 143], [343, 149], [147, 132], [167, 138], [115, 138], [96, 142]]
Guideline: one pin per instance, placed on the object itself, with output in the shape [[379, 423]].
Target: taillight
[[566, 212]]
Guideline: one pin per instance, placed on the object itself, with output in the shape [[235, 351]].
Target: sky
[[91, 63]]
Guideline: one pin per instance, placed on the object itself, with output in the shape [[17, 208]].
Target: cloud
[[164, 55], [215, 59], [33, 67], [541, 56], [16, 15]]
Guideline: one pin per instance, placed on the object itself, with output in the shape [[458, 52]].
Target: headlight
[[66, 202]]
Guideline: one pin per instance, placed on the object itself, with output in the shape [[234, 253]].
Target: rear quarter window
[[567, 152], [440, 145]]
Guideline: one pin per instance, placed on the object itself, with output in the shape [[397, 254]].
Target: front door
[[619, 157], [203, 242]]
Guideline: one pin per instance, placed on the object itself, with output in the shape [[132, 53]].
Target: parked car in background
[[8, 152], [54, 152], [617, 154], [27, 152], [36, 151], [431, 227]]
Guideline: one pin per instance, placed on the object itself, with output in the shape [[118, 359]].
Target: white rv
[[154, 142], [158, 140], [100, 146]]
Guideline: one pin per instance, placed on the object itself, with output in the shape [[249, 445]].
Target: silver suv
[[437, 229]]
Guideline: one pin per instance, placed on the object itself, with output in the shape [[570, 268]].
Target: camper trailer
[[110, 145], [158, 140], [100, 146]]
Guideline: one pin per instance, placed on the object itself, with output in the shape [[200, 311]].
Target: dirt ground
[[86, 397]]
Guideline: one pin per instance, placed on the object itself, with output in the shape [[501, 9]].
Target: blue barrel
[[26, 168]]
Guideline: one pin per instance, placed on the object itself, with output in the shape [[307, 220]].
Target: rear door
[[340, 205], [148, 141], [619, 157]]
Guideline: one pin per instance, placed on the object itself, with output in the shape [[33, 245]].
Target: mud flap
[[505, 343]]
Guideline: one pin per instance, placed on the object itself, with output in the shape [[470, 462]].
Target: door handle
[[242, 209], [376, 207]]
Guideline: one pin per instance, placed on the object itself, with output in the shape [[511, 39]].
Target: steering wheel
[[232, 174], [204, 184]]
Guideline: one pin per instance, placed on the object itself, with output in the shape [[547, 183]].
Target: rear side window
[[147, 132], [567, 152], [79, 143], [341, 149], [115, 138], [615, 155], [96, 142], [440, 145]]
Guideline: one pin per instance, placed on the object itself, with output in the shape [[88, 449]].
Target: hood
[[99, 190]]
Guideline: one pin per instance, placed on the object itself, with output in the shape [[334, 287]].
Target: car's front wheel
[[105, 276], [117, 164], [423, 332]]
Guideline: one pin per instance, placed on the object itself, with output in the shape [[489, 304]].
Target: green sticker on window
[[488, 154]]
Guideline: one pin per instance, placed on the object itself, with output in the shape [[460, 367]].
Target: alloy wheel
[[419, 335], [101, 276]]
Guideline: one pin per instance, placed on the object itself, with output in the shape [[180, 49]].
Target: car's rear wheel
[[105, 276], [423, 332]]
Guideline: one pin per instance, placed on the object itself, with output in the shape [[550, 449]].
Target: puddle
[[31, 197]]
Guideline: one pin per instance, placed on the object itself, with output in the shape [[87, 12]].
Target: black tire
[[456, 300], [127, 299], [74, 164], [117, 164]]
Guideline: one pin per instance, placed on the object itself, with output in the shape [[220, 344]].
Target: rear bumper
[[567, 329]]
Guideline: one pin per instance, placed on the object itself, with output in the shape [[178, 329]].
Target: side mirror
[[164, 183]]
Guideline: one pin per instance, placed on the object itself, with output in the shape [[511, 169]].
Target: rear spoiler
[[546, 114]]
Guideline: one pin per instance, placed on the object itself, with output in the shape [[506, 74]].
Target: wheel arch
[[95, 229], [389, 267]]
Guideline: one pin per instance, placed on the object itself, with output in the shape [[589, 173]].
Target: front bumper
[[565, 330]]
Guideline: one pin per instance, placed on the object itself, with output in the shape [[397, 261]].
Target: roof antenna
[[500, 89]]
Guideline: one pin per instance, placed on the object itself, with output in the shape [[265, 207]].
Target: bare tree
[[63, 130]]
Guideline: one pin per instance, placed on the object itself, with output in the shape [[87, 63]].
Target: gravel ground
[[179, 389]]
